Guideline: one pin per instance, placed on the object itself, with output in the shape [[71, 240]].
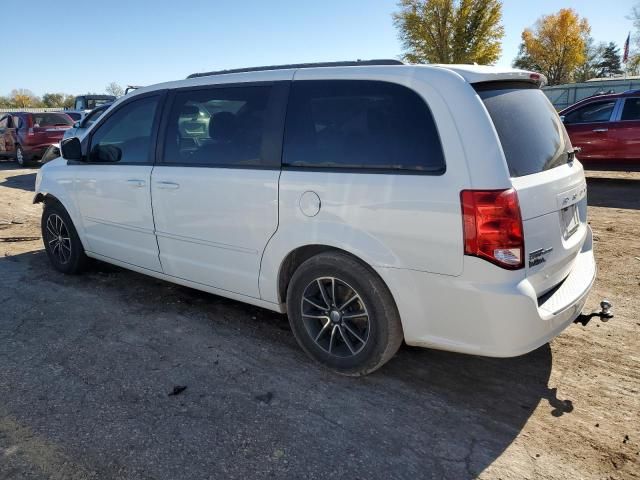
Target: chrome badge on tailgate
[[538, 256]]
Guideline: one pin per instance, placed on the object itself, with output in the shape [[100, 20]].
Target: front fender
[[55, 180]]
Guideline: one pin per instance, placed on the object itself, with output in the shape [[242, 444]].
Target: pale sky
[[76, 47]]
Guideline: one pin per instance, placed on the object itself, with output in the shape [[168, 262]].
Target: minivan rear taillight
[[492, 226]]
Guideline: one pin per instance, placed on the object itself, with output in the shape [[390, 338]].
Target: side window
[[631, 110], [594, 112], [223, 126], [362, 125], [4, 122], [126, 135]]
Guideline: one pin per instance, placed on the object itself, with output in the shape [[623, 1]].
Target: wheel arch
[[299, 255]]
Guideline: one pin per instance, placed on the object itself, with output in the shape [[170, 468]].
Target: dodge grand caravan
[[373, 202]]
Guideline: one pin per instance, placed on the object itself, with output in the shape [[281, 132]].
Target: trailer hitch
[[605, 313]]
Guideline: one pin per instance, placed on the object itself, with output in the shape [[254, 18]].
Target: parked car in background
[[606, 128], [373, 202], [89, 102], [80, 127], [26, 136]]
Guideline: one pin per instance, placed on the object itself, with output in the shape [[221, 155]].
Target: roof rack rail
[[353, 63]]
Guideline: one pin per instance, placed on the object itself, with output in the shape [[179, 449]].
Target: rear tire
[[21, 157], [343, 315], [61, 240]]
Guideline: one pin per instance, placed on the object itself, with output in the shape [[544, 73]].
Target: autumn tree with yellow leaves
[[450, 31], [556, 46]]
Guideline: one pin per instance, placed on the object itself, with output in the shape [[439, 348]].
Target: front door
[[215, 191], [112, 189], [588, 128]]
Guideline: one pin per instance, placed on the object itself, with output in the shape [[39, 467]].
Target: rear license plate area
[[569, 221]]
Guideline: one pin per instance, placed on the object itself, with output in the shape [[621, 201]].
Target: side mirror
[[76, 125], [562, 118], [71, 149]]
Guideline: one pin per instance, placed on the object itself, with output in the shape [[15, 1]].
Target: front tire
[[343, 315], [61, 241]]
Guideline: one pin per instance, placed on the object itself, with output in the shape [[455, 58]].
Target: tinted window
[[74, 115], [631, 110], [4, 122], [594, 112], [51, 119], [532, 136], [126, 135], [218, 126], [360, 124], [92, 103], [92, 116]]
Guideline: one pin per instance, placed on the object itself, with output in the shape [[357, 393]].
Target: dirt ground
[[87, 362]]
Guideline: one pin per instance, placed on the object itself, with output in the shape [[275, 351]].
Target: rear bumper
[[488, 311]]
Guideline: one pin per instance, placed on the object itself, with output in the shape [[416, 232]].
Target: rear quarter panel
[[387, 220]]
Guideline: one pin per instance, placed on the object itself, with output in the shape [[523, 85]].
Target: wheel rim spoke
[[57, 238], [346, 325], [325, 298], [323, 330], [348, 302], [346, 341], [340, 331], [314, 304]]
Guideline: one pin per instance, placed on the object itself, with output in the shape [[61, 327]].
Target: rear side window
[[4, 122], [223, 127], [592, 113], [631, 110], [368, 125], [51, 120], [532, 135]]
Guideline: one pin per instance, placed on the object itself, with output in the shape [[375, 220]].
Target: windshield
[[532, 135], [92, 103], [51, 120]]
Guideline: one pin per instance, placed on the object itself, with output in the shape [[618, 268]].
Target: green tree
[[556, 44], [450, 31], [52, 99], [610, 63], [590, 67], [68, 101], [23, 98]]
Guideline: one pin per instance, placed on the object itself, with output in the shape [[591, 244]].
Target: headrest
[[222, 126]]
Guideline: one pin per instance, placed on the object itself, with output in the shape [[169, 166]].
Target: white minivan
[[373, 202]]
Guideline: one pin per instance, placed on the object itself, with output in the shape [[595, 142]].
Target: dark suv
[[25, 136]]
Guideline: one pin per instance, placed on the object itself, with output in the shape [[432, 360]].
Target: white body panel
[[212, 223], [115, 210], [228, 231]]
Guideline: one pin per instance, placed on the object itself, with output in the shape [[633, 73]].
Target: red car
[[607, 129], [26, 136]]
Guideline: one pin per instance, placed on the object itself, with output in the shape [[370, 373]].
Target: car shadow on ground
[[613, 192], [122, 340], [22, 181]]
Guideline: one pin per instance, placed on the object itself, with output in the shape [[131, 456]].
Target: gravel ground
[[87, 364]]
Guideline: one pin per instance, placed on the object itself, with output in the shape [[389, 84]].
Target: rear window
[[360, 125], [532, 135], [51, 119]]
